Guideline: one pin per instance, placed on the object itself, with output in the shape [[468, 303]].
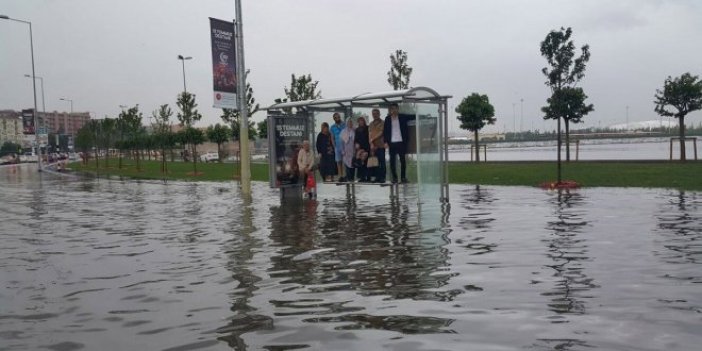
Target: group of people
[[356, 151]]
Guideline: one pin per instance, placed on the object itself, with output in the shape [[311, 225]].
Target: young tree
[[9, 147], [219, 134], [400, 72], [131, 122], [187, 116], [93, 126], [302, 88], [194, 137], [262, 129], [684, 94], [475, 111], [565, 71], [107, 128], [83, 142], [162, 131]]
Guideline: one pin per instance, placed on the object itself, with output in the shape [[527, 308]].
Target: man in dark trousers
[[396, 135]]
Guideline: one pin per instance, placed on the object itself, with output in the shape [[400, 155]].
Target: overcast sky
[[102, 54]]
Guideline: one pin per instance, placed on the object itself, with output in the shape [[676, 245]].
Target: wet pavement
[[97, 264]]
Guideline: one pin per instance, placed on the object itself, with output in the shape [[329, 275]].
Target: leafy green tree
[[133, 130], [93, 127], [107, 131], [83, 142], [474, 113], [9, 147], [262, 129], [162, 132], [684, 94], [219, 134], [400, 72], [568, 103], [187, 116], [301, 88], [564, 71], [194, 137]]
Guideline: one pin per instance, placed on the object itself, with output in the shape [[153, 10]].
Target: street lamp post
[[70, 101], [182, 59], [43, 102], [34, 86]]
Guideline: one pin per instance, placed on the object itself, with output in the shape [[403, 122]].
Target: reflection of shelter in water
[[364, 249], [426, 110]]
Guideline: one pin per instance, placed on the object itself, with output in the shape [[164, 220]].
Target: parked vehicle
[[209, 157]]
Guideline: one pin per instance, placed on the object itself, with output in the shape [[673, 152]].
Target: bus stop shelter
[[290, 123]]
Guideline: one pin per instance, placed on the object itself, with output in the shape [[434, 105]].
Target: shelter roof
[[378, 99]]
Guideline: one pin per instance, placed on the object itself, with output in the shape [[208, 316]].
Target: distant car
[[209, 157]]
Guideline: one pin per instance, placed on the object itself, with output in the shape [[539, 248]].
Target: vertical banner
[[223, 64], [28, 121], [285, 141]]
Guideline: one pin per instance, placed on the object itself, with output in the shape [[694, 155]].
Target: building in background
[[63, 123], [11, 127]]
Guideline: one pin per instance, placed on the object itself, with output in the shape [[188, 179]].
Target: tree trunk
[[681, 120], [137, 161], [477, 146], [194, 159], [567, 136], [163, 160], [107, 158], [97, 157], [172, 155], [559, 149], [219, 152]]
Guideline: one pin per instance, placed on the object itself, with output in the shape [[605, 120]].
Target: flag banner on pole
[[223, 64], [28, 121]]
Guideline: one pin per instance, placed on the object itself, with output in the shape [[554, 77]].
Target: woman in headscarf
[[348, 149], [325, 149], [362, 149]]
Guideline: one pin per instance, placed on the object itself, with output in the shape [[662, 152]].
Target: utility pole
[[243, 109]]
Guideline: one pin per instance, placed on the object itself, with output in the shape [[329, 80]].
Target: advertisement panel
[[224, 76], [28, 121], [288, 134]]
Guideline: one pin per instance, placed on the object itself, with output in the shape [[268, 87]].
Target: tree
[[162, 131], [684, 94], [9, 147], [194, 137], [262, 129], [187, 116], [83, 142], [93, 127], [400, 72], [568, 103], [564, 72], [107, 128], [475, 112], [302, 88], [219, 134], [132, 129]]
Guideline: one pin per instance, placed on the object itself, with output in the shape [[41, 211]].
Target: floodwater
[[90, 264], [593, 149]]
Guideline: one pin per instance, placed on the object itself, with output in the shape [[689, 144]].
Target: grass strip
[[647, 174]]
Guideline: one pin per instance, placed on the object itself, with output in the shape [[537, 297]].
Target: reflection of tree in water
[[477, 202], [368, 248], [568, 251], [680, 240], [240, 250], [680, 226]]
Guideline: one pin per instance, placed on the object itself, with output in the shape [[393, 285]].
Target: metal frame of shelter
[[422, 101]]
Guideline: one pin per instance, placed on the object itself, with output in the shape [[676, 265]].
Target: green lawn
[[663, 174]]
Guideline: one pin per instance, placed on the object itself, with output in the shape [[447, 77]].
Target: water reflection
[[568, 250], [369, 249], [476, 222], [680, 225], [240, 251]]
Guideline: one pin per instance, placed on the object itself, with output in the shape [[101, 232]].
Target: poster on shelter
[[28, 121], [223, 64], [288, 135]]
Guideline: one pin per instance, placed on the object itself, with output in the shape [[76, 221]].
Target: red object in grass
[[565, 184]]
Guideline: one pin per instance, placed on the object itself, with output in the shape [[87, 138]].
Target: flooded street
[[90, 264]]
